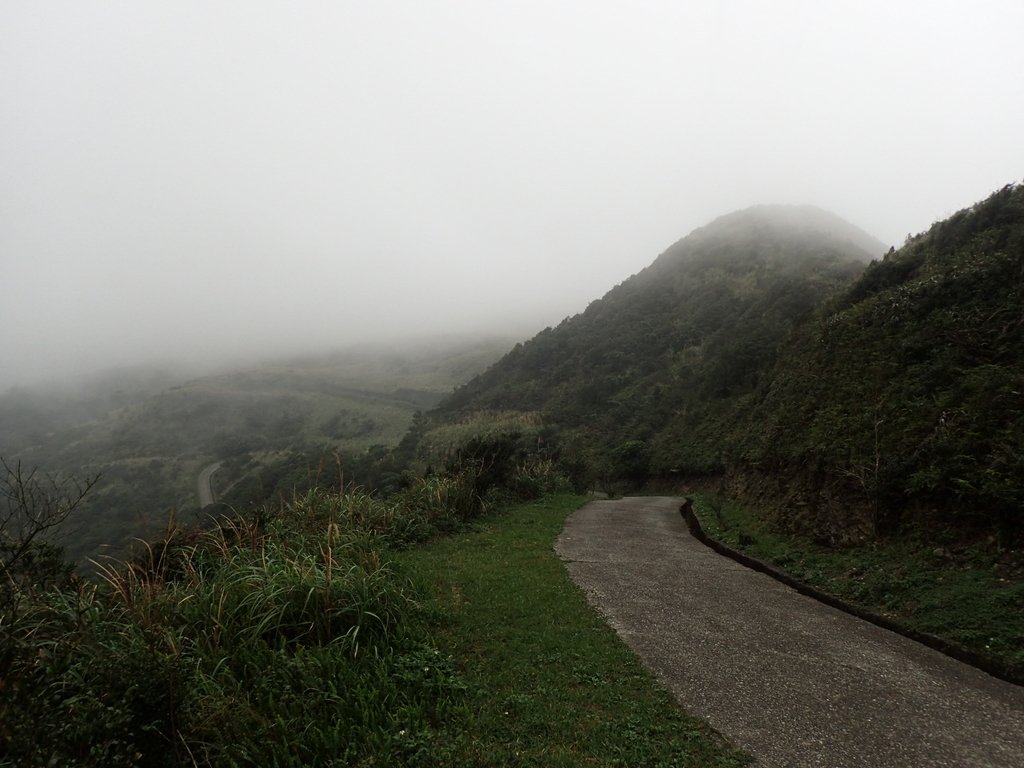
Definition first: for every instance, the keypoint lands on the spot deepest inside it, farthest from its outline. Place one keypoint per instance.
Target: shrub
(275, 637)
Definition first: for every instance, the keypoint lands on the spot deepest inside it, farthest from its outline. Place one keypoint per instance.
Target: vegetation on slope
(866, 418)
(148, 435)
(966, 592)
(311, 634)
(278, 639)
(627, 383)
(882, 414)
(903, 401)
(844, 404)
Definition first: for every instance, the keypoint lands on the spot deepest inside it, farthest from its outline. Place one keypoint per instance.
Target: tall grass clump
(534, 477)
(282, 639)
(81, 683)
(277, 636)
(443, 441)
(444, 502)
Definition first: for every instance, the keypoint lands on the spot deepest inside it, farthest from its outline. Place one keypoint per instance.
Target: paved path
(790, 680)
(205, 485)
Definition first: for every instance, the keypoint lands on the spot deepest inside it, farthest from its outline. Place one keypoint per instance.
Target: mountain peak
(791, 238)
(771, 228)
(799, 218)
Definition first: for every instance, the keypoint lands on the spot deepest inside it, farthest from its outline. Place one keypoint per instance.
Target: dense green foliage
(905, 395)
(312, 634)
(844, 401)
(284, 636)
(627, 384)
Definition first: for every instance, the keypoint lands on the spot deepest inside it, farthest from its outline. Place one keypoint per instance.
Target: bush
(276, 637)
(83, 684)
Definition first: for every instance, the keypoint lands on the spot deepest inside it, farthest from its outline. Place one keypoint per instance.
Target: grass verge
(548, 683)
(963, 595)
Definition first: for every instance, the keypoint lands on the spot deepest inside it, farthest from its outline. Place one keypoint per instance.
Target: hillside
(148, 435)
(625, 382)
(903, 398)
(843, 398)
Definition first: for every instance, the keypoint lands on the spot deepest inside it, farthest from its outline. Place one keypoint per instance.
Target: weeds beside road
(971, 595)
(337, 630)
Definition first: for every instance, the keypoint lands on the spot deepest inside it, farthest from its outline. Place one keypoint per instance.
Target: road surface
(794, 682)
(206, 495)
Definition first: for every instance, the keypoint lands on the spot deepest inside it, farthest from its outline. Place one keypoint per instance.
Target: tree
(33, 510)
(632, 461)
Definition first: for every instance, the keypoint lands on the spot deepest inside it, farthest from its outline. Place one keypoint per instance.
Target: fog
(204, 181)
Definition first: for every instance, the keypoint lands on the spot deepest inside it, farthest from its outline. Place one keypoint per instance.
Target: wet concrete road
(794, 682)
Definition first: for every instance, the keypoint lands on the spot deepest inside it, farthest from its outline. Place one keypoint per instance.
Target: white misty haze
(197, 179)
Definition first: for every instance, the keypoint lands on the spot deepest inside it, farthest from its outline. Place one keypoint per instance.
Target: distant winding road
(792, 681)
(206, 495)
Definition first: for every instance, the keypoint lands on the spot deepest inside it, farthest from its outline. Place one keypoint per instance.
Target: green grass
(548, 683)
(287, 643)
(966, 594)
(326, 633)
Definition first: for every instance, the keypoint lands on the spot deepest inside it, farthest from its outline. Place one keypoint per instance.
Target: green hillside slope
(844, 398)
(626, 381)
(905, 397)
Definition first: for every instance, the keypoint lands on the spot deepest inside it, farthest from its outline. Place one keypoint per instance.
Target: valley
(149, 437)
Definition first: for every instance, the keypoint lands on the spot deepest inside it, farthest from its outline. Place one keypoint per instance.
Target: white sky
(228, 178)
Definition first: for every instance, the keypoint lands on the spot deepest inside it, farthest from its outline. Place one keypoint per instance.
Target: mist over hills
(695, 328)
(779, 351)
(858, 419)
(148, 432)
(775, 350)
(215, 197)
(760, 229)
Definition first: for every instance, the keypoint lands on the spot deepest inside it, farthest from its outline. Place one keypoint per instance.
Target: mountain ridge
(733, 278)
(709, 363)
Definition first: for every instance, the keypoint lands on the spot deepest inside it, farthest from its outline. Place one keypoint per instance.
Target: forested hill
(622, 382)
(763, 349)
(907, 394)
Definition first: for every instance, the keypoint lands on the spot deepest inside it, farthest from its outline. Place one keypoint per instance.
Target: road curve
(205, 486)
(794, 682)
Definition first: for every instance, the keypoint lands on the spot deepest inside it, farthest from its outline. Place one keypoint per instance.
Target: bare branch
(32, 511)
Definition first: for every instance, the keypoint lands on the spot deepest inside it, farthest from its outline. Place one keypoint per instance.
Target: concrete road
(794, 682)
(205, 486)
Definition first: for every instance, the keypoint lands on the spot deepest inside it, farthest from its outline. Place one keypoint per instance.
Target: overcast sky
(202, 178)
